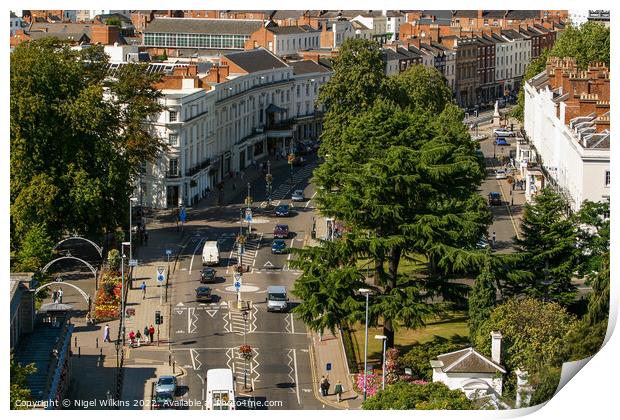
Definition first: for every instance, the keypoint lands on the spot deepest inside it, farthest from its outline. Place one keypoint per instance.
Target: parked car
(278, 246)
(500, 141)
(166, 384)
(495, 199)
(207, 275)
(483, 243)
(283, 210)
(163, 400)
(503, 132)
(280, 231)
(501, 174)
(203, 294)
(298, 195)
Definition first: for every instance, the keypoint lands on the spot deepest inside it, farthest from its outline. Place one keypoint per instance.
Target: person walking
(60, 293)
(493, 239)
(322, 385)
(327, 385)
(151, 332)
(146, 334)
(54, 296)
(338, 391)
(132, 337)
(138, 337)
(106, 333)
(143, 288)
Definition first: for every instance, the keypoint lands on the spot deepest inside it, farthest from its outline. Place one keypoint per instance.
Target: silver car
(166, 384)
(298, 195)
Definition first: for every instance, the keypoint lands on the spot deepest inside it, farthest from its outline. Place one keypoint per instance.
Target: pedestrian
(322, 385)
(493, 239)
(327, 385)
(513, 186)
(138, 337)
(106, 333)
(60, 293)
(151, 332)
(146, 237)
(242, 175)
(54, 296)
(234, 187)
(143, 288)
(338, 391)
(132, 337)
(146, 334)
(260, 166)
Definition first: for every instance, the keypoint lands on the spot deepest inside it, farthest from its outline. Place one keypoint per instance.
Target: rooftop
(307, 66)
(467, 361)
(204, 26)
(255, 60)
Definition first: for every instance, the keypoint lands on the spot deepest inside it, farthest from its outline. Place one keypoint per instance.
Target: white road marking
(296, 377)
(292, 324)
(308, 203)
(289, 254)
(180, 304)
(193, 255)
(211, 312)
(191, 353)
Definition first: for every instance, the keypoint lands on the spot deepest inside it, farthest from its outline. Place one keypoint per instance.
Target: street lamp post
(249, 207)
(131, 199)
(365, 292)
(269, 179)
(384, 339)
(123, 244)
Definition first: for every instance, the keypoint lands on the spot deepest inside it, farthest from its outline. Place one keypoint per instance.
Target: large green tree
(19, 389)
(419, 356)
(402, 176)
(408, 396)
(532, 330)
(481, 299)
(547, 253)
(78, 138)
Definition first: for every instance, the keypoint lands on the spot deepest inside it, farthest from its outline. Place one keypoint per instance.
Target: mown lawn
(452, 326)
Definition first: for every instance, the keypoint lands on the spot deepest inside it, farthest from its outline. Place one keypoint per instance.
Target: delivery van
(211, 253)
(277, 300)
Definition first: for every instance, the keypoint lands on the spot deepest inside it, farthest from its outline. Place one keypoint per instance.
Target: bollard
(97, 342)
(75, 345)
(169, 359)
(79, 352)
(174, 365)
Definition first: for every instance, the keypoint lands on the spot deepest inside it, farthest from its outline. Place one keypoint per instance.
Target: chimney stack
(496, 347)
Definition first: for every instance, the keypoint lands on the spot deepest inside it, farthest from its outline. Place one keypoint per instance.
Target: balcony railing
(282, 125)
(202, 165)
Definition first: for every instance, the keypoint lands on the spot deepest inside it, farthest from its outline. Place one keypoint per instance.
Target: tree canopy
(19, 389)
(78, 138)
(408, 396)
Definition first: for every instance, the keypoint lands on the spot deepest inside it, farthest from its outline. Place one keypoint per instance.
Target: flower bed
(108, 299)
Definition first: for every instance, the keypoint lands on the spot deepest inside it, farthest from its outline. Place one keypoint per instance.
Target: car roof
(167, 377)
(282, 205)
(298, 191)
(494, 193)
(279, 241)
(276, 289)
(203, 288)
(281, 226)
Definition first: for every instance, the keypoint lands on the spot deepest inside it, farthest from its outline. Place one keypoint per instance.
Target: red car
(280, 231)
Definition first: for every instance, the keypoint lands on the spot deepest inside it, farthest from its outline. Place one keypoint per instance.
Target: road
(206, 336)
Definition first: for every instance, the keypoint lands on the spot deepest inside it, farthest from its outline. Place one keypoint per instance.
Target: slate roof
(307, 66)
(287, 30)
(255, 60)
(512, 34)
(204, 26)
(468, 361)
(287, 14)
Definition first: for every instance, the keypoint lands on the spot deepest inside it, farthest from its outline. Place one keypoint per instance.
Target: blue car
(282, 210)
(501, 142)
(278, 246)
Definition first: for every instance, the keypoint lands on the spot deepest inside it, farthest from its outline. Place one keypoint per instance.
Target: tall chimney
(496, 347)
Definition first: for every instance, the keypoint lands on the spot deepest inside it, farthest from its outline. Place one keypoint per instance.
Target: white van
(211, 253)
(276, 299)
(220, 389)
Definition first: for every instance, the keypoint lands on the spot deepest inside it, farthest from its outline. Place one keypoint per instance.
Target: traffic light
(159, 319)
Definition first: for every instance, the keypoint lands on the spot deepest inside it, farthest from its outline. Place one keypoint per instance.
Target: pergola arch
(70, 257)
(97, 247)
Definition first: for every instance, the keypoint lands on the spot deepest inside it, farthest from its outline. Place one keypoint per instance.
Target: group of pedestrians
(57, 295)
(135, 338)
(324, 385)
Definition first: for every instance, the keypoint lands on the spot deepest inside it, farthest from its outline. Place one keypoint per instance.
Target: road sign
(161, 277)
(168, 252)
(248, 215)
(133, 263)
(237, 285)
(328, 367)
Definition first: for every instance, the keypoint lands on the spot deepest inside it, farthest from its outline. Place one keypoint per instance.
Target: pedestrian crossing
(250, 250)
(237, 325)
(284, 190)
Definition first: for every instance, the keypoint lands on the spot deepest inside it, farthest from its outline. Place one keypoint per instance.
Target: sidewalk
(330, 349)
(139, 383)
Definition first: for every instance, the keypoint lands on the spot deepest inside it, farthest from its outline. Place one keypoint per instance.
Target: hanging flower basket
(245, 351)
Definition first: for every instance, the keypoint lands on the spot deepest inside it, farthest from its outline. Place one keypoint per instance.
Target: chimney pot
(496, 347)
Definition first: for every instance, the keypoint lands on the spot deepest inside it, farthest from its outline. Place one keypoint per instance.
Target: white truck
(220, 389)
(211, 253)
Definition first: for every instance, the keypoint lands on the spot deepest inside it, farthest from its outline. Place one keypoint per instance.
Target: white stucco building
(289, 40)
(393, 21)
(511, 58)
(16, 23)
(260, 106)
(567, 121)
(377, 23)
(471, 372)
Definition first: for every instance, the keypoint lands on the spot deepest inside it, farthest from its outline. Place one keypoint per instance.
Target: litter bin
(313, 234)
